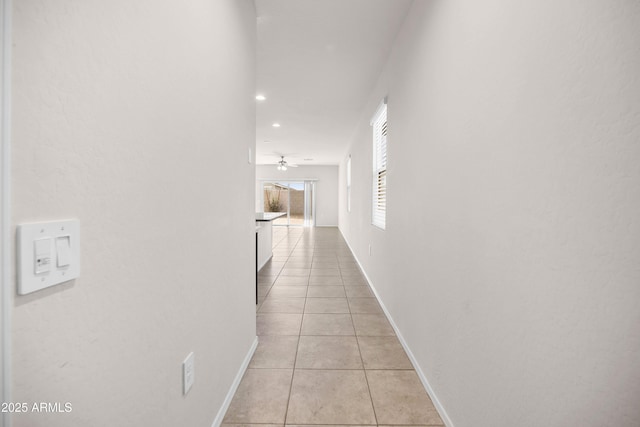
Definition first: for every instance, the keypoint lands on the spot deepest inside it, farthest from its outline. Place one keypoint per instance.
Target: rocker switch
(63, 249)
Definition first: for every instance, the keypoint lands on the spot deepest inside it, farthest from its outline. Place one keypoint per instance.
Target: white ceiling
(318, 61)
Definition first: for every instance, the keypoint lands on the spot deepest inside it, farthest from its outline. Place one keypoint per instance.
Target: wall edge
(6, 286)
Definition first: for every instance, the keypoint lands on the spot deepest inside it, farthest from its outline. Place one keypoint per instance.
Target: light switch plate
(63, 241)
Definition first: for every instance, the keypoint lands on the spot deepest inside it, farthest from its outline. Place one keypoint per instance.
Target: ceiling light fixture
(260, 97)
(276, 125)
(282, 164)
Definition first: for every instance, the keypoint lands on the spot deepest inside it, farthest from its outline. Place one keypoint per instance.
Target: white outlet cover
(188, 373)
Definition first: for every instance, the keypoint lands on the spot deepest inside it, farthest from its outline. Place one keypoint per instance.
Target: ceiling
(318, 61)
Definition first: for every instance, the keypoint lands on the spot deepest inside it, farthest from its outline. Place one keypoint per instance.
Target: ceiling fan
(283, 165)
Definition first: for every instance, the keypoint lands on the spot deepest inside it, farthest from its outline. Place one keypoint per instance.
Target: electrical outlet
(188, 373)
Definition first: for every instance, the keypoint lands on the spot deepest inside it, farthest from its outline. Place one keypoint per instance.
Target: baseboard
(234, 386)
(436, 402)
(441, 411)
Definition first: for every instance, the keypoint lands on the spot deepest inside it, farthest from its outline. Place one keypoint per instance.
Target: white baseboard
(234, 386)
(441, 411)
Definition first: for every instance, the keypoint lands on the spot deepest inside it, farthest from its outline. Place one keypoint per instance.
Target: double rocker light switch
(48, 254)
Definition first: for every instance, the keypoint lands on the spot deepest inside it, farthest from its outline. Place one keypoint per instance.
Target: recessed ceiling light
(261, 97)
(307, 160)
(276, 125)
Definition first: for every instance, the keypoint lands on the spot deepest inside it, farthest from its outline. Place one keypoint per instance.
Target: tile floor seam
(375, 415)
(295, 362)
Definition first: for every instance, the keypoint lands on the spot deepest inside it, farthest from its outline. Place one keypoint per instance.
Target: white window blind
(379, 208)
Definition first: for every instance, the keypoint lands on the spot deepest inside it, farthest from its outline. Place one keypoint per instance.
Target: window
(349, 184)
(379, 124)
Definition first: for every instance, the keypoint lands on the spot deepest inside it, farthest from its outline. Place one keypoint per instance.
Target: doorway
(295, 198)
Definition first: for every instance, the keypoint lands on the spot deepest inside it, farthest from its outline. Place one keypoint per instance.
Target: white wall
(122, 111)
(326, 188)
(510, 258)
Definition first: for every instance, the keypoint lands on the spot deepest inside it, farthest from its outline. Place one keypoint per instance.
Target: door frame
(6, 287)
(261, 182)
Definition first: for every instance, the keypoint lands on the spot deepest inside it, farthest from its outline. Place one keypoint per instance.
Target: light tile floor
(327, 354)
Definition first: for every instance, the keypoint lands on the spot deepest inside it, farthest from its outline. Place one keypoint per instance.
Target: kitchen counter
(268, 216)
(264, 240)
(264, 231)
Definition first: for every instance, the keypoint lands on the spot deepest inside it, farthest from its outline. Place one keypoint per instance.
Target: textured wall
(510, 258)
(122, 111)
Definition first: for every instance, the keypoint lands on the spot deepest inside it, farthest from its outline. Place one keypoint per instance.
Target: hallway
(326, 353)
(495, 216)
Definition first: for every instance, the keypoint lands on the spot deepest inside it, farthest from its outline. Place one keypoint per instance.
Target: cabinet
(264, 230)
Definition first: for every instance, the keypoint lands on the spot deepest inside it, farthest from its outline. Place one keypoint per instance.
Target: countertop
(268, 216)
